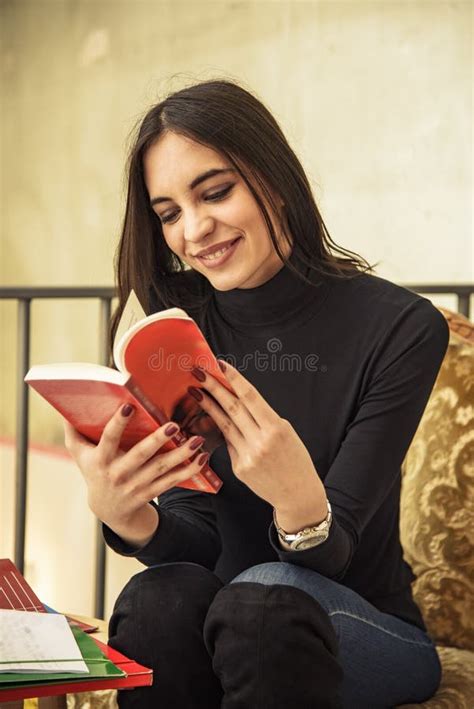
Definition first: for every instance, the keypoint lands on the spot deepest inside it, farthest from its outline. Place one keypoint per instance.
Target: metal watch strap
(321, 528)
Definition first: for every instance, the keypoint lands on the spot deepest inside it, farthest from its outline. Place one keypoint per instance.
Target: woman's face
(203, 203)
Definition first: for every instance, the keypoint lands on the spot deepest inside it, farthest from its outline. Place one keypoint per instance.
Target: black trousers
(237, 646)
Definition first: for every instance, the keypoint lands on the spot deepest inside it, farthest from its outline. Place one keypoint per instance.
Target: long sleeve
(187, 531)
(399, 378)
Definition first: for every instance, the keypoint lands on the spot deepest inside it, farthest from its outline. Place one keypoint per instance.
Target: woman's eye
(165, 219)
(214, 197)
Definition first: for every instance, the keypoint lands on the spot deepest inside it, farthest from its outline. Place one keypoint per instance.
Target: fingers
(73, 440)
(145, 449)
(165, 482)
(112, 433)
(244, 411)
(226, 408)
(231, 429)
(248, 394)
(147, 459)
(165, 470)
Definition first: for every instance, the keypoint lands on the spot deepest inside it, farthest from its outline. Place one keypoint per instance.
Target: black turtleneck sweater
(351, 364)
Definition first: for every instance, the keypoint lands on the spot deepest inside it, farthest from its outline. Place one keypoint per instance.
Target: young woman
(288, 588)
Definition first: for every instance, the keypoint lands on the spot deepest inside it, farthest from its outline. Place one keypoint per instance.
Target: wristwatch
(307, 537)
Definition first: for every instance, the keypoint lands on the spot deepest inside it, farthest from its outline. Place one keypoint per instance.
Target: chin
(228, 281)
(225, 284)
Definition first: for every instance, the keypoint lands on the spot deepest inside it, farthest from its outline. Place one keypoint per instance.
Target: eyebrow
(197, 181)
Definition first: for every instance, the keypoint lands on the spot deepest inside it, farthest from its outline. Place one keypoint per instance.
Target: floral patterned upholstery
(436, 525)
(437, 516)
(103, 699)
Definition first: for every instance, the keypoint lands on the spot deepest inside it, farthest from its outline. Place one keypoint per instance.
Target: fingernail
(198, 374)
(195, 393)
(203, 458)
(196, 443)
(221, 365)
(127, 410)
(172, 428)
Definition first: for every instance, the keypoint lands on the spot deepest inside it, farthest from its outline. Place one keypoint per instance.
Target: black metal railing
(104, 295)
(24, 296)
(463, 292)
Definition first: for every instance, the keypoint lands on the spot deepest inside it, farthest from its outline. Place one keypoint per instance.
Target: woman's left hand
(265, 451)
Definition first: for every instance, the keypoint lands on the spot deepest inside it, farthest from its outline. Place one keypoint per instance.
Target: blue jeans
(385, 660)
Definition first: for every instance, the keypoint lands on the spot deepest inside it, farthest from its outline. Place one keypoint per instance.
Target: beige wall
(375, 97)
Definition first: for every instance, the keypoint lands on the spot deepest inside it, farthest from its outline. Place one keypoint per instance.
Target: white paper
(131, 314)
(132, 319)
(38, 636)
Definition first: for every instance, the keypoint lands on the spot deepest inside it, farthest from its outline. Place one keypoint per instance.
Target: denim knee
(272, 572)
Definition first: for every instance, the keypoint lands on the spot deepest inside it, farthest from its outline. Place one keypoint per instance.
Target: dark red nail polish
(221, 365)
(195, 393)
(203, 458)
(198, 374)
(172, 428)
(195, 444)
(127, 410)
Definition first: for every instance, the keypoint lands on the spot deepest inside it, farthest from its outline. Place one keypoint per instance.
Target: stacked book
(43, 653)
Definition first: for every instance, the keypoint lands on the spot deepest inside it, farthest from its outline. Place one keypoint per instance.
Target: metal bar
(100, 550)
(105, 313)
(464, 304)
(22, 292)
(455, 288)
(21, 461)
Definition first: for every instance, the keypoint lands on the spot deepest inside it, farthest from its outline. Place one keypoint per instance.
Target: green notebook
(98, 664)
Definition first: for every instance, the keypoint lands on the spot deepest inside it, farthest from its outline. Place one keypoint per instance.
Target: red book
(154, 356)
(16, 594)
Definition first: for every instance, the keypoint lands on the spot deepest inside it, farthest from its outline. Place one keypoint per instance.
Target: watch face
(310, 542)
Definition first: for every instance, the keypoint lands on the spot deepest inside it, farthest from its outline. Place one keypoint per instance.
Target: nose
(196, 227)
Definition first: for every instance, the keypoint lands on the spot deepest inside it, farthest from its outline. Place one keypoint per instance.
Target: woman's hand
(265, 451)
(121, 484)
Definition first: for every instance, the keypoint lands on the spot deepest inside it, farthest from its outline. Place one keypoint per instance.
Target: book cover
(17, 594)
(155, 355)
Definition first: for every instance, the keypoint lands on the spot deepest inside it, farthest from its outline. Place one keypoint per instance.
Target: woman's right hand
(121, 484)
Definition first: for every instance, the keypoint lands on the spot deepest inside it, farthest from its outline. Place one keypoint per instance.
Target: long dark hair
(224, 116)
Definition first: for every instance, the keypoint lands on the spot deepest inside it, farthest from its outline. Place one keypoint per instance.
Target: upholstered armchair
(437, 517)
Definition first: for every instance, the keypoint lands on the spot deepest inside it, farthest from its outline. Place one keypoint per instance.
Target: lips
(212, 262)
(217, 247)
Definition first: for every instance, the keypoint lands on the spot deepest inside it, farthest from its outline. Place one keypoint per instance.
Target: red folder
(137, 676)
(16, 593)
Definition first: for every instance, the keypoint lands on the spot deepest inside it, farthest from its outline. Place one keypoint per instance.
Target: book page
(132, 313)
(38, 642)
(134, 319)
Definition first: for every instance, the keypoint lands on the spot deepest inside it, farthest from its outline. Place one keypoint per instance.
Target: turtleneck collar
(282, 302)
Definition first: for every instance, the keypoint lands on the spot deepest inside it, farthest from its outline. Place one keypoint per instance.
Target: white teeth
(217, 254)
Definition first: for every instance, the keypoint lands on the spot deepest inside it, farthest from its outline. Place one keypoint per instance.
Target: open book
(155, 355)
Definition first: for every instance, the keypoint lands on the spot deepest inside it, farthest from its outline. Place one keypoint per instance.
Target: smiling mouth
(219, 252)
